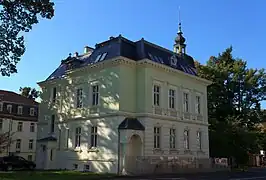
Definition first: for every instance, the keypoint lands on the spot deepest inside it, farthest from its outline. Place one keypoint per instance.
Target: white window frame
(79, 97)
(172, 98)
(199, 139)
(9, 108)
(94, 136)
(32, 127)
(186, 101)
(18, 144)
(20, 127)
(198, 109)
(32, 111)
(186, 139)
(31, 144)
(156, 94)
(95, 94)
(77, 141)
(172, 139)
(20, 110)
(1, 106)
(157, 137)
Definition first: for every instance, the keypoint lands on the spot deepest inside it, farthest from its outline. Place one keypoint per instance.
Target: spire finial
(179, 19)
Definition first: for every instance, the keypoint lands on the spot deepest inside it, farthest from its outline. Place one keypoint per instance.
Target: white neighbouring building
(18, 120)
(119, 101)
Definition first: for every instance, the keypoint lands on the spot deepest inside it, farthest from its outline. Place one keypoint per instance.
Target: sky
(209, 28)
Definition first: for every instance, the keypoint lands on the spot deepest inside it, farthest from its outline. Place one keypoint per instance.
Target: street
(251, 174)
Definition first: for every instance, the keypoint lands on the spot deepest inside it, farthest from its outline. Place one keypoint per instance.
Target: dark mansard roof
(120, 46)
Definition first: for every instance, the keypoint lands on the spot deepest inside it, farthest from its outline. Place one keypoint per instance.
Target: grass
(52, 175)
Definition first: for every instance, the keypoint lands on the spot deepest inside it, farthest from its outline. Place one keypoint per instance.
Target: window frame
(79, 97)
(199, 139)
(1, 124)
(95, 94)
(32, 111)
(156, 93)
(32, 127)
(157, 137)
(172, 138)
(77, 141)
(186, 102)
(9, 106)
(186, 139)
(20, 110)
(20, 126)
(172, 98)
(52, 123)
(1, 106)
(18, 143)
(94, 137)
(198, 104)
(31, 144)
(54, 95)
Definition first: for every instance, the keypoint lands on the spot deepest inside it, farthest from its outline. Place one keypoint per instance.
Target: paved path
(251, 174)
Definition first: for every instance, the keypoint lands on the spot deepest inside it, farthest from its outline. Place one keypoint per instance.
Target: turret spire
(179, 46)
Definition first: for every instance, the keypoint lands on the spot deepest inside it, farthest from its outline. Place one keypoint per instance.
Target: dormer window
(173, 60)
(20, 109)
(9, 108)
(101, 57)
(32, 111)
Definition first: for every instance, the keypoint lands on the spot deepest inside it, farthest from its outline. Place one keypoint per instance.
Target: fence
(166, 164)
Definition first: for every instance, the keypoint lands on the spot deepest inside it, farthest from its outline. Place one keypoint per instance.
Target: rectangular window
(185, 102)
(59, 139)
(172, 138)
(77, 137)
(198, 110)
(199, 142)
(1, 124)
(9, 108)
(156, 137)
(94, 136)
(1, 106)
(30, 144)
(20, 109)
(54, 95)
(51, 155)
(29, 157)
(52, 123)
(32, 127)
(32, 111)
(95, 95)
(156, 95)
(186, 139)
(171, 97)
(67, 138)
(18, 144)
(79, 98)
(20, 126)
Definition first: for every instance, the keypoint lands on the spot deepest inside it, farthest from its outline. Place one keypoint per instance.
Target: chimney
(87, 50)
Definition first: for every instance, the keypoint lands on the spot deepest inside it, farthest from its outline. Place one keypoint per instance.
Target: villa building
(18, 120)
(120, 102)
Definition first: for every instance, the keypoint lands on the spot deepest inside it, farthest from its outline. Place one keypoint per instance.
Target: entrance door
(134, 150)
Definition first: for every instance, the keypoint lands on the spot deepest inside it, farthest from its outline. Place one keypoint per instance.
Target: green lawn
(52, 175)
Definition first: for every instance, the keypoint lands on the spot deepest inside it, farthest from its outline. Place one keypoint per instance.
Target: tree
(17, 17)
(5, 141)
(29, 92)
(233, 105)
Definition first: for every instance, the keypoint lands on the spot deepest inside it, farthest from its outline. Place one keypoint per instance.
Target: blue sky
(209, 27)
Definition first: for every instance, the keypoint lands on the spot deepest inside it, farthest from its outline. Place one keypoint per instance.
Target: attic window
(101, 57)
(173, 60)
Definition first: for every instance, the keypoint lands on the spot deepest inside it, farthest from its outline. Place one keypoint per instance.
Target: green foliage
(17, 17)
(234, 107)
(29, 92)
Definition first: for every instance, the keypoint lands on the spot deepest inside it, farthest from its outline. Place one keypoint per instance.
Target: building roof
(120, 46)
(131, 123)
(9, 96)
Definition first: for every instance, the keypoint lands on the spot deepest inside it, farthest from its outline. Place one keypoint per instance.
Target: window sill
(173, 151)
(188, 151)
(93, 149)
(158, 151)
